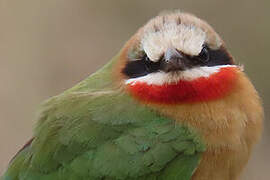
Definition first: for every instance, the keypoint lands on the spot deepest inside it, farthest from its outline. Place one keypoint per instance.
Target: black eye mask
(207, 57)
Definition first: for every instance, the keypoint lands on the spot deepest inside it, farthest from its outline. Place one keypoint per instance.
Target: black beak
(174, 60)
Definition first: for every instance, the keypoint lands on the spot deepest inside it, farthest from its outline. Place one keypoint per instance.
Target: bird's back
(96, 131)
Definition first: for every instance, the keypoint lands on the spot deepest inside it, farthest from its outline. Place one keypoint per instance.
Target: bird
(173, 104)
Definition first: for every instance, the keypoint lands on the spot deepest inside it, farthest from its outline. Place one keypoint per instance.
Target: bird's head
(177, 58)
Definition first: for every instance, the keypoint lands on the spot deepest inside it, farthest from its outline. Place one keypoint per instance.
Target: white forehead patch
(186, 38)
(160, 78)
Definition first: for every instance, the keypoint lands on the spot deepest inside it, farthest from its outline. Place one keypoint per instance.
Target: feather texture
(95, 131)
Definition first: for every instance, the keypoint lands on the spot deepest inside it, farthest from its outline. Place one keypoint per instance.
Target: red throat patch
(216, 86)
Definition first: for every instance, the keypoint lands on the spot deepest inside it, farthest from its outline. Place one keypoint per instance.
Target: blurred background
(49, 46)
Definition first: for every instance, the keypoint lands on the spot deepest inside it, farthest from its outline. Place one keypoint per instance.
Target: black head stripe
(219, 57)
(145, 66)
(135, 69)
(140, 67)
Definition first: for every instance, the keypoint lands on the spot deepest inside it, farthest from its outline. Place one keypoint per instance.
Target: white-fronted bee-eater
(171, 105)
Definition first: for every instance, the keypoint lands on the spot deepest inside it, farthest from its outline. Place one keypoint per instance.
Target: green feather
(96, 131)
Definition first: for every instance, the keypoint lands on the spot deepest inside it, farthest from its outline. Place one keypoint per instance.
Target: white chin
(160, 78)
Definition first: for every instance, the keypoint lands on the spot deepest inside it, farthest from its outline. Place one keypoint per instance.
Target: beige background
(48, 46)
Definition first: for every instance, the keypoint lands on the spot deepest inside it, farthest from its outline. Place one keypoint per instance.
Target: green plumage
(96, 131)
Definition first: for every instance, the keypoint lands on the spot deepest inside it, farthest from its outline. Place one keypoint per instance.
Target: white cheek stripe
(160, 78)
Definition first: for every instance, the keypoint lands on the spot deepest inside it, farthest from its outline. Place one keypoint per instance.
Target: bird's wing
(93, 131)
(105, 135)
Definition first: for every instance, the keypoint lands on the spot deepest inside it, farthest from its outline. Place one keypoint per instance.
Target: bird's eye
(150, 65)
(204, 54)
(147, 63)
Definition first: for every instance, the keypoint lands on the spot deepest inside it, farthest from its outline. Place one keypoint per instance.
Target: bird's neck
(206, 87)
